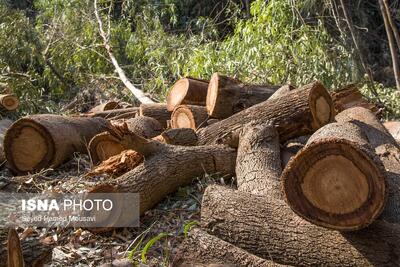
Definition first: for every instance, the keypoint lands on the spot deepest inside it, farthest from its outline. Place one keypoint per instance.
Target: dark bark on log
(202, 249)
(110, 105)
(227, 96)
(109, 114)
(9, 102)
(4, 125)
(349, 97)
(336, 181)
(258, 164)
(393, 127)
(179, 137)
(146, 127)
(187, 91)
(282, 90)
(45, 141)
(291, 147)
(168, 167)
(269, 229)
(296, 113)
(189, 116)
(388, 151)
(157, 111)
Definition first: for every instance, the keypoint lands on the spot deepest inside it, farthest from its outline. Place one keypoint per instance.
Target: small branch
(393, 52)
(392, 24)
(139, 94)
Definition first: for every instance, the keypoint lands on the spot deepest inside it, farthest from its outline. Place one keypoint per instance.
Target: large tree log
(348, 97)
(111, 114)
(296, 113)
(189, 116)
(45, 141)
(157, 111)
(227, 96)
(9, 102)
(268, 228)
(187, 91)
(282, 90)
(168, 167)
(336, 181)
(393, 127)
(202, 249)
(110, 105)
(258, 163)
(179, 137)
(388, 151)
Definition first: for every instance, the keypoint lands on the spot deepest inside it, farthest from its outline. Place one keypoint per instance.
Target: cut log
(291, 147)
(110, 105)
(258, 163)
(282, 90)
(109, 114)
(168, 167)
(187, 91)
(202, 249)
(268, 228)
(144, 126)
(336, 181)
(157, 111)
(296, 113)
(227, 96)
(45, 141)
(386, 148)
(348, 97)
(189, 116)
(393, 127)
(179, 137)
(9, 102)
(4, 125)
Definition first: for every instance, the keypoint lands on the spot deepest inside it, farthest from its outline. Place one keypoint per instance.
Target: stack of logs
(318, 175)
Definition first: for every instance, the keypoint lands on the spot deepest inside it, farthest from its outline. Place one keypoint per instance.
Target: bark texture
(349, 97)
(189, 116)
(157, 111)
(386, 148)
(258, 164)
(336, 181)
(111, 114)
(393, 127)
(274, 232)
(9, 102)
(291, 147)
(180, 137)
(110, 105)
(168, 167)
(202, 249)
(187, 91)
(45, 141)
(227, 96)
(296, 113)
(4, 125)
(144, 126)
(282, 90)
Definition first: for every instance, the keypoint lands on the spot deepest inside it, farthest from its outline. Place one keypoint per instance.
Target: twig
(393, 52)
(392, 24)
(139, 94)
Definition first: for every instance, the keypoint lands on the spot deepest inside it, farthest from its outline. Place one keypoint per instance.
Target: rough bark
(45, 141)
(189, 116)
(168, 167)
(258, 164)
(4, 125)
(227, 96)
(336, 181)
(202, 249)
(296, 113)
(269, 229)
(144, 126)
(157, 111)
(291, 147)
(348, 97)
(180, 137)
(110, 105)
(388, 151)
(110, 114)
(9, 102)
(282, 90)
(187, 91)
(393, 127)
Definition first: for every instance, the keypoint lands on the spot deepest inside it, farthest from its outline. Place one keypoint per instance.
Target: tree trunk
(393, 127)
(269, 229)
(110, 114)
(202, 249)
(227, 96)
(168, 167)
(9, 102)
(143, 126)
(188, 116)
(45, 141)
(291, 147)
(179, 137)
(157, 111)
(388, 151)
(110, 105)
(258, 163)
(349, 97)
(187, 91)
(4, 125)
(296, 113)
(282, 90)
(336, 181)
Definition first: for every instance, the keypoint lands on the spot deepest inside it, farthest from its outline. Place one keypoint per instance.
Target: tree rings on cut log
(103, 146)
(188, 116)
(9, 102)
(188, 91)
(335, 184)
